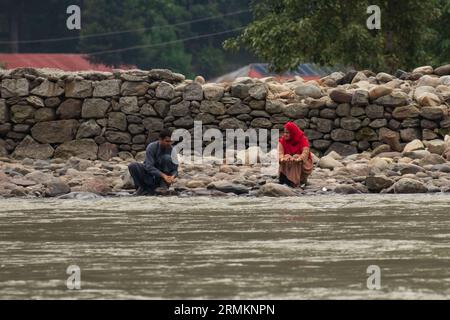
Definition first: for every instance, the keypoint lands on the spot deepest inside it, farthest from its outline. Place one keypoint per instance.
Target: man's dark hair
(165, 133)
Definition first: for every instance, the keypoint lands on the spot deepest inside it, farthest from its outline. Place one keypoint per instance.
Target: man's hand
(168, 179)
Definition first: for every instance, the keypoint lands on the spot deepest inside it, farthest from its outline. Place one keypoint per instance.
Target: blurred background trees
(287, 32)
(188, 35)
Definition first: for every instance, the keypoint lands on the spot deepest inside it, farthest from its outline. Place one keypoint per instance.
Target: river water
(227, 248)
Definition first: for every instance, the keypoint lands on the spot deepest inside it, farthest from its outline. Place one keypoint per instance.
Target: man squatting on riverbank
(158, 171)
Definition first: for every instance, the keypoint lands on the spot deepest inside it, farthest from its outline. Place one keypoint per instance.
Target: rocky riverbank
(422, 167)
(48, 114)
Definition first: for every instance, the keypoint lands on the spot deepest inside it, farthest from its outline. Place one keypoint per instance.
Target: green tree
(441, 40)
(332, 32)
(161, 22)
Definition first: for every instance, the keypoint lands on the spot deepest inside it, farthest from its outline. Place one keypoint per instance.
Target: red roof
(66, 62)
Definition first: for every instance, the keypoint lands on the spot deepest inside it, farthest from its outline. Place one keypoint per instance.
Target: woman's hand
(286, 158)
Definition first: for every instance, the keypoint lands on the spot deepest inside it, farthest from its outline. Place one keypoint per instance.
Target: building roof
(307, 71)
(66, 62)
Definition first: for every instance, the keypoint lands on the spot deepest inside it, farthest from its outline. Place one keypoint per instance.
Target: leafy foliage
(329, 32)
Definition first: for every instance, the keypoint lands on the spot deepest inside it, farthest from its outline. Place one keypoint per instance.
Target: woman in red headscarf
(295, 158)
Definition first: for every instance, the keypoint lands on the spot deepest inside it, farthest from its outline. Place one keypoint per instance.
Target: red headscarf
(297, 141)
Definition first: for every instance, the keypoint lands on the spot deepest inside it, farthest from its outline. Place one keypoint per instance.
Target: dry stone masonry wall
(92, 115)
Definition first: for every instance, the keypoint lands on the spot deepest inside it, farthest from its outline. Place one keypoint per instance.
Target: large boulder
(88, 129)
(308, 90)
(342, 149)
(360, 97)
(14, 88)
(435, 146)
(258, 91)
(180, 109)
(69, 109)
(238, 108)
(232, 123)
(350, 123)
(45, 114)
(29, 148)
(21, 113)
(78, 89)
(228, 187)
(153, 124)
(107, 88)
(107, 150)
(379, 91)
(328, 162)
(48, 89)
(433, 113)
(134, 88)
(276, 190)
(212, 92)
(414, 145)
(261, 123)
(424, 70)
(296, 110)
(442, 70)
(341, 96)
(405, 112)
(274, 106)
(393, 100)
(342, 135)
(4, 111)
(83, 149)
(165, 91)
(212, 107)
(193, 91)
(117, 120)
(378, 182)
(407, 185)
(118, 137)
(56, 188)
(129, 105)
(55, 131)
(95, 108)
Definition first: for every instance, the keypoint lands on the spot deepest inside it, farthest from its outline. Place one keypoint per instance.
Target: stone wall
(50, 113)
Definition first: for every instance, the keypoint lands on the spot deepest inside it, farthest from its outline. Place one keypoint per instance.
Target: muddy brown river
(227, 248)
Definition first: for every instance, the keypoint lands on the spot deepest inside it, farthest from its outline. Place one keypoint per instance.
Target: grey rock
(193, 91)
(117, 120)
(129, 105)
(94, 108)
(180, 109)
(350, 123)
(83, 149)
(78, 89)
(107, 88)
(14, 88)
(29, 148)
(276, 190)
(232, 123)
(378, 182)
(118, 137)
(21, 113)
(69, 109)
(342, 135)
(228, 187)
(407, 185)
(55, 131)
(48, 89)
(152, 124)
(212, 107)
(238, 108)
(88, 129)
(165, 91)
(296, 110)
